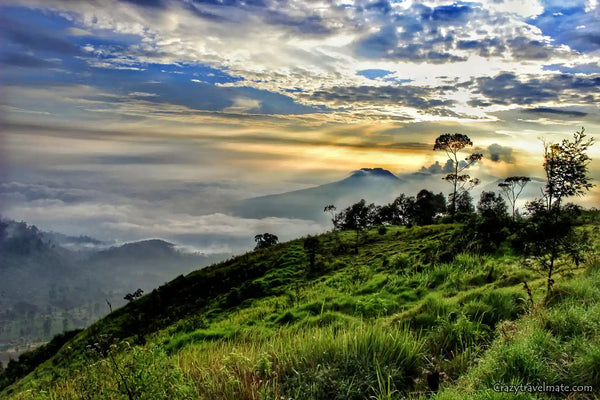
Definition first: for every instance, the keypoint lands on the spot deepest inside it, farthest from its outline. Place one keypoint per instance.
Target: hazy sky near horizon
(133, 119)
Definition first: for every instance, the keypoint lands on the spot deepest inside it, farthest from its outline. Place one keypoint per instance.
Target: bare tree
(511, 189)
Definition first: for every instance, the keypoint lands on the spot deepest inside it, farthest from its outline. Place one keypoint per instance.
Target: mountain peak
(376, 172)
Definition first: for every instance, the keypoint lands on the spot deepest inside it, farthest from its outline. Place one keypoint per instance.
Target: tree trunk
(453, 210)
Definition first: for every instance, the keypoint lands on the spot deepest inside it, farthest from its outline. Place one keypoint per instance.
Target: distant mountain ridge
(57, 282)
(372, 184)
(366, 172)
(375, 185)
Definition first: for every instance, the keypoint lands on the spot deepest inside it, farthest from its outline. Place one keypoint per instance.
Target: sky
(133, 119)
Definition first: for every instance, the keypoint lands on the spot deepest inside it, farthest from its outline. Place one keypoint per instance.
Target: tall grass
(326, 363)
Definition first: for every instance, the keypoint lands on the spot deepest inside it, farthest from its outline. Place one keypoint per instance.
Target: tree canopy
(566, 167)
(265, 240)
(452, 144)
(511, 189)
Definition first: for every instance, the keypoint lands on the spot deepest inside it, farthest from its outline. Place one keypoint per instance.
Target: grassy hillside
(412, 311)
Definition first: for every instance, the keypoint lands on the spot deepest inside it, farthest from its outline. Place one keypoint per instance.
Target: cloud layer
(113, 107)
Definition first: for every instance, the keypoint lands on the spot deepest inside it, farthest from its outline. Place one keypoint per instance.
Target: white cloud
(311, 45)
(243, 104)
(522, 8)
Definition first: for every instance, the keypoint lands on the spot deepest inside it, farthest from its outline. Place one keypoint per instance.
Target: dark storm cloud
(500, 153)
(420, 38)
(507, 89)
(273, 13)
(389, 44)
(409, 96)
(523, 48)
(556, 112)
(309, 24)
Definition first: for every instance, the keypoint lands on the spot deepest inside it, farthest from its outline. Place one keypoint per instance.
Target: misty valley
(52, 283)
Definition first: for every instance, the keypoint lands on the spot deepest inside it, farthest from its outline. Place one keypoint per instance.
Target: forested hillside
(415, 311)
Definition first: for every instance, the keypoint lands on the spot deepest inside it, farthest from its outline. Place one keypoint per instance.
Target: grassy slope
(374, 324)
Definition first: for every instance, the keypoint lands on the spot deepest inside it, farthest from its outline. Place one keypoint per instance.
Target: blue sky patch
(374, 73)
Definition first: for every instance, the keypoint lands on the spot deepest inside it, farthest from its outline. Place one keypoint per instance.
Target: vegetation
(566, 167)
(46, 288)
(511, 188)
(452, 144)
(411, 306)
(550, 236)
(265, 240)
(442, 311)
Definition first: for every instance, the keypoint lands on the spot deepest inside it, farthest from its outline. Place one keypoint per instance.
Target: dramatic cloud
(557, 112)
(148, 118)
(437, 168)
(508, 89)
(500, 153)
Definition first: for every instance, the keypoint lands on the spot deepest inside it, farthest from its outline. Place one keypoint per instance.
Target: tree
(490, 230)
(265, 240)
(491, 206)
(428, 206)
(452, 144)
(135, 295)
(400, 212)
(464, 202)
(311, 245)
(550, 237)
(566, 167)
(511, 188)
(357, 217)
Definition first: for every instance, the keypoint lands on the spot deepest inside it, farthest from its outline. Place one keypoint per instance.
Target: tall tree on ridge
(265, 240)
(452, 144)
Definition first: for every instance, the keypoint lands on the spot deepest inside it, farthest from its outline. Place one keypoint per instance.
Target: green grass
(366, 326)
